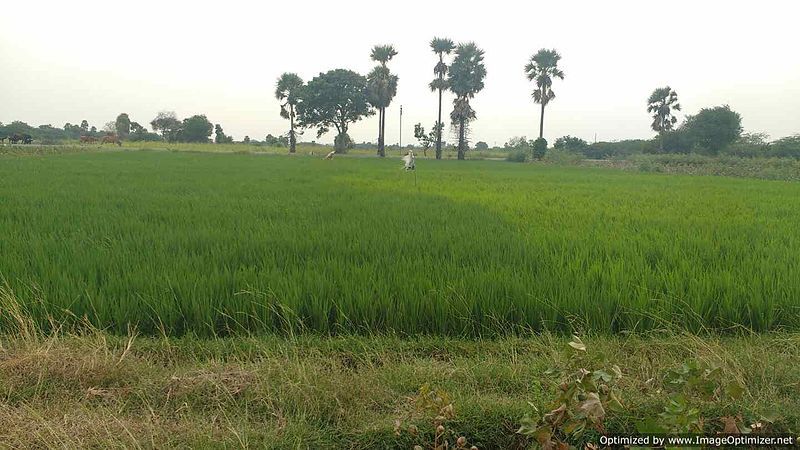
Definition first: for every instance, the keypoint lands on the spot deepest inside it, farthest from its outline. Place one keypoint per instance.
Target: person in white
(409, 161)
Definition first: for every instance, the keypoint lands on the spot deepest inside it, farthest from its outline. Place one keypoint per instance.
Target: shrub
(517, 155)
(788, 147)
(619, 149)
(539, 148)
(571, 144)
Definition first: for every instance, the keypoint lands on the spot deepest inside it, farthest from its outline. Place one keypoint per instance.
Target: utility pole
(401, 127)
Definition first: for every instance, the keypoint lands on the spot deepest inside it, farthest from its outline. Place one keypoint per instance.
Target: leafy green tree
(335, 99)
(381, 88)
(713, 129)
(196, 129)
(123, 125)
(662, 104)
(570, 144)
(481, 145)
(465, 79)
(273, 141)
(84, 125)
(287, 90)
(440, 46)
(246, 139)
(541, 69)
(220, 137)
(167, 123)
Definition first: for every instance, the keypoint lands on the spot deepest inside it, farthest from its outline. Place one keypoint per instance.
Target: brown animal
(111, 139)
(88, 139)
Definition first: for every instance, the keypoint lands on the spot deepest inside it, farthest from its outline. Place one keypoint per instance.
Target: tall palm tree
(465, 79)
(662, 102)
(440, 46)
(542, 68)
(382, 87)
(287, 90)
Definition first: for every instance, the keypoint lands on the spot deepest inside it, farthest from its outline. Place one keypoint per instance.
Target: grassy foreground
(227, 243)
(101, 391)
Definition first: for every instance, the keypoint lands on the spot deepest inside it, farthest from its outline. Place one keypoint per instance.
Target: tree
(713, 129)
(196, 129)
(93, 130)
(661, 104)
(465, 79)
(123, 125)
(426, 139)
(287, 90)
(440, 46)
(481, 146)
(84, 125)
(272, 141)
(246, 139)
(542, 68)
(110, 128)
(335, 99)
(220, 137)
(381, 88)
(570, 144)
(167, 123)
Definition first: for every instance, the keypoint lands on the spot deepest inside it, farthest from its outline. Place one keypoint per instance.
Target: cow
(111, 139)
(14, 138)
(88, 139)
(3, 139)
(27, 139)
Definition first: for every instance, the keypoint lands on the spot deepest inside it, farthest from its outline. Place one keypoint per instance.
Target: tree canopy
(287, 91)
(662, 104)
(196, 129)
(334, 99)
(542, 69)
(465, 79)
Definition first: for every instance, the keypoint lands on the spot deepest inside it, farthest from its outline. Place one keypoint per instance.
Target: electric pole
(401, 127)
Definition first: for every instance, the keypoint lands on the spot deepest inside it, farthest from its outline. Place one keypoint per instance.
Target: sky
(67, 61)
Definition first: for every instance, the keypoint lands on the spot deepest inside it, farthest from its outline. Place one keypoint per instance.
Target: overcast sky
(66, 61)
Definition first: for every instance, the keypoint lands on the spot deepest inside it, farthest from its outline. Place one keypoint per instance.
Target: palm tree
(287, 90)
(381, 88)
(440, 46)
(662, 102)
(465, 79)
(542, 68)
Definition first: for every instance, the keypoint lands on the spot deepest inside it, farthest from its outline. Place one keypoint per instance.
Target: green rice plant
(217, 244)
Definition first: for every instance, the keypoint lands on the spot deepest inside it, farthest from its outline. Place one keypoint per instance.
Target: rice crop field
(214, 244)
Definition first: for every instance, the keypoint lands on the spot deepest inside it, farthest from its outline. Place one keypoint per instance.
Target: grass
(94, 390)
(213, 244)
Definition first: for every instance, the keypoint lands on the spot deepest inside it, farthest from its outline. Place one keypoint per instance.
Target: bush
(539, 148)
(571, 144)
(619, 149)
(788, 147)
(517, 155)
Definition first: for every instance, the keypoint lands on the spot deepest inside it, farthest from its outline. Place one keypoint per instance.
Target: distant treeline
(166, 127)
(711, 132)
